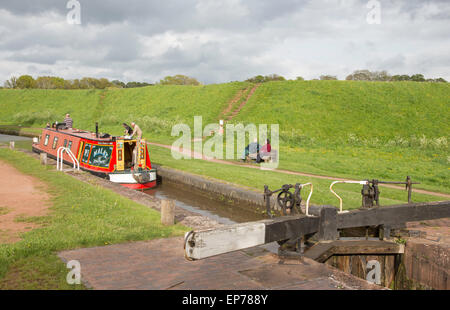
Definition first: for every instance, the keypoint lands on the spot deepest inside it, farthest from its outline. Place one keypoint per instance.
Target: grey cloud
(219, 41)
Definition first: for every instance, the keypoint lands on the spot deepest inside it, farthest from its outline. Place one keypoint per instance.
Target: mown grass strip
(81, 215)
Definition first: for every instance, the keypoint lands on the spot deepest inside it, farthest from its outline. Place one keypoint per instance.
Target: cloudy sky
(220, 41)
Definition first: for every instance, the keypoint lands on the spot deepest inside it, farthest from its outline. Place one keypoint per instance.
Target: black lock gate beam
(325, 223)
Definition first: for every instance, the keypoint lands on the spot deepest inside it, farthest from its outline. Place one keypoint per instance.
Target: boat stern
(139, 179)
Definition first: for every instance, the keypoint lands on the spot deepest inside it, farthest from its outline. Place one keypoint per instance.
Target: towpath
(22, 196)
(230, 163)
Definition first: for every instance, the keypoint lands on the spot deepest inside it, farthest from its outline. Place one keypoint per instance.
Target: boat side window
(55, 142)
(70, 145)
(47, 137)
(101, 155)
(65, 142)
(86, 152)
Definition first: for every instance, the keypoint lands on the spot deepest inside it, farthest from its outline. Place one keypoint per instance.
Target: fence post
(11, 145)
(167, 212)
(43, 157)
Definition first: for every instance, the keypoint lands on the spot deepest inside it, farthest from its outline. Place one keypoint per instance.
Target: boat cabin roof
(85, 134)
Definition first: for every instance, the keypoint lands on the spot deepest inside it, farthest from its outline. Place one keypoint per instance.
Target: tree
(274, 77)
(58, 82)
(418, 78)
(381, 76)
(45, 82)
(257, 79)
(299, 78)
(328, 77)
(267, 78)
(366, 75)
(118, 83)
(398, 77)
(359, 75)
(26, 81)
(11, 83)
(179, 79)
(76, 84)
(104, 83)
(137, 84)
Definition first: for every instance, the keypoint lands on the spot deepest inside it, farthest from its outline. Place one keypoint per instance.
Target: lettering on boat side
(234, 299)
(101, 155)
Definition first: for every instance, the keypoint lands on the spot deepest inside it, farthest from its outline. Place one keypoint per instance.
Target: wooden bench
(270, 157)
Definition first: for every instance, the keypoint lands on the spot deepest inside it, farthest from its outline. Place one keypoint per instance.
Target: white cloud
(220, 41)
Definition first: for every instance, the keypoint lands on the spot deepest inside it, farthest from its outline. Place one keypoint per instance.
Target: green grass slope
(336, 112)
(359, 129)
(338, 128)
(36, 107)
(156, 109)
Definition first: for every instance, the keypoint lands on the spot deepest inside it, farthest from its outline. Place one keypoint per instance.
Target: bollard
(43, 158)
(11, 145)
(328, 223)
(167, 212)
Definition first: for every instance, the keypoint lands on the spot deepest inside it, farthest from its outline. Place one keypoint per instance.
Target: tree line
(358, 75)
(52, 82)
(366, 75)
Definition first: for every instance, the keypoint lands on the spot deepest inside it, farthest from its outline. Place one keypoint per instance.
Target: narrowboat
(101, 154)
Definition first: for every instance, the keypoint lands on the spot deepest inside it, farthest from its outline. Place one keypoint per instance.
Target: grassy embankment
(156, 109)
(338, 128)
(359, 129)
(81, 215)
(255, 179)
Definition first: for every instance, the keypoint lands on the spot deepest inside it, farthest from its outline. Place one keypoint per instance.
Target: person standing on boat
(128, 130)
(138, 133)
(69, 122)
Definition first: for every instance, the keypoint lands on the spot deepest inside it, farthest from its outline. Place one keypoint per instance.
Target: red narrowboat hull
(108, 157)
(140, 186)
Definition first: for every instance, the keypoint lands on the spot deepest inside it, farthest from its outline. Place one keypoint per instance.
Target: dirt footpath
(21, 197)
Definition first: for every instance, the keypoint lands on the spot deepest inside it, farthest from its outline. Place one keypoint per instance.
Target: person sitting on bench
(251, 149)
(265, 151)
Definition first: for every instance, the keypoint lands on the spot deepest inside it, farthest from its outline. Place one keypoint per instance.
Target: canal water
(7, 138)
(222, 211)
